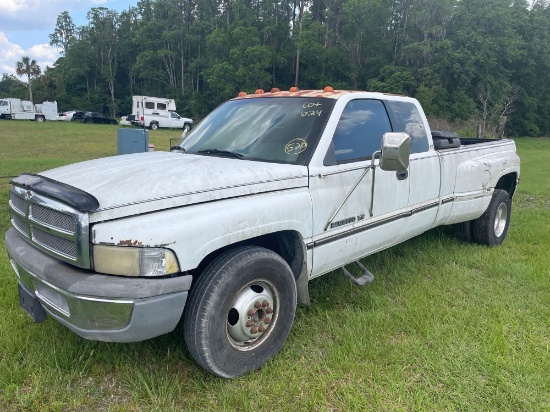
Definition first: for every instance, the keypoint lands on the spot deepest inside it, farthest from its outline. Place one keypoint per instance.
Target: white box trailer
(18, 109)
(155, 112)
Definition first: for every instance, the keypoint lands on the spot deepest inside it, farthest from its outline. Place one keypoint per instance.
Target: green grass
(444, 326)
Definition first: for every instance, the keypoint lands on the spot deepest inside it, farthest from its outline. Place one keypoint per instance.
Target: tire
(40, 119)
(186, 127)
(463, 231)
(153, 125)
(240, 311)
(492, 226)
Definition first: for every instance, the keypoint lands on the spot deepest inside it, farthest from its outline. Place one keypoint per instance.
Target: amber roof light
(293, 89)
(328, 89)
(259, 91)
(241, 94)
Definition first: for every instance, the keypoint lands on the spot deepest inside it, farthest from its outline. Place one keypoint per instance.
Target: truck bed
(450, 140)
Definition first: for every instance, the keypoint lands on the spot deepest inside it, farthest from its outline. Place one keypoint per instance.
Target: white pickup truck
(225, 231)
(155, 112)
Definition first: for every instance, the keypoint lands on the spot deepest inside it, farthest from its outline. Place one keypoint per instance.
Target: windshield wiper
(217, 152)
(177, 149)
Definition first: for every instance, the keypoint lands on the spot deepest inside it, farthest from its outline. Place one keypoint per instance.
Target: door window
(406, 118)
(359, 132)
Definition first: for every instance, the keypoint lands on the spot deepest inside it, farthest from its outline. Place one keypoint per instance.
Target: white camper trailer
(24, 110)
(155, 112)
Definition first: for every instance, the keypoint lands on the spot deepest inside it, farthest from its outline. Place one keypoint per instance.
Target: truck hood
(141, 183)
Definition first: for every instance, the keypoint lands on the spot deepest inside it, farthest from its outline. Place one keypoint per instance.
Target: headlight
(132, 261)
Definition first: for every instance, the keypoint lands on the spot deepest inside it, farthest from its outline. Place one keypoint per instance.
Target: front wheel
(240, 311)
(186, 127)
(40, 119)
(154, 125)
(491, 227)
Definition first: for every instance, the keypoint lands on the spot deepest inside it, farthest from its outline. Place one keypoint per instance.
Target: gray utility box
(132, 141)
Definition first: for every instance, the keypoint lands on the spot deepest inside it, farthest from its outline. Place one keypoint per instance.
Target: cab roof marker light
(259, 91)
(241, 94)
(275, 90)
(328, 89)
(293, 89)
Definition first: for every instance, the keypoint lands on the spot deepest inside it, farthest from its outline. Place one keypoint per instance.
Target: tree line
(463, 59)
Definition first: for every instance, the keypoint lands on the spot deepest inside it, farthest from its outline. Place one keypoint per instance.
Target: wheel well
(287, 244)
(508, 182)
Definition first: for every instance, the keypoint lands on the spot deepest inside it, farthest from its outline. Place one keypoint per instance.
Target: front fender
(195, 231)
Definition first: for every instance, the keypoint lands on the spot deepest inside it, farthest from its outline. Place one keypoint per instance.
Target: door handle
(402, 174)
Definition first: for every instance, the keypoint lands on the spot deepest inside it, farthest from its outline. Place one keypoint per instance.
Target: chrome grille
(57, 244)
(19, 225)
(53, 218)
(18, 203)
(50, 225)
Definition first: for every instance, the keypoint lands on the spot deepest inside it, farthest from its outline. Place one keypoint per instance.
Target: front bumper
(95, 306)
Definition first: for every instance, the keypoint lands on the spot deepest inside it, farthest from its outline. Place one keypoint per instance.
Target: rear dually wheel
(492, 226)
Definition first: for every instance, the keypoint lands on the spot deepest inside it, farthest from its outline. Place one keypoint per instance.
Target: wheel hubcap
(500, 219)
(252, 315)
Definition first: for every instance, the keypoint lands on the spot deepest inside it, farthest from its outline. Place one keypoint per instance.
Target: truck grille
(53, 218)
(62, 246)
(51, 226)
(18, 203)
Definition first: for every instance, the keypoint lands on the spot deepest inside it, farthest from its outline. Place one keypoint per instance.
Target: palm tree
(28, 67)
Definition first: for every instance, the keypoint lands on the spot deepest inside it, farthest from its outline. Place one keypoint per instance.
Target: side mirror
(396, 150)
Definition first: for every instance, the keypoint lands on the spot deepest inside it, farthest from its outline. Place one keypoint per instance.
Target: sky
(26, 24)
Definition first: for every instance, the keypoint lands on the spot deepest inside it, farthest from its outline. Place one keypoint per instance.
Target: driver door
(344, 225)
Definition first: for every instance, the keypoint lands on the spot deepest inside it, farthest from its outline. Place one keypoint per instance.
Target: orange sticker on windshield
(295, 146)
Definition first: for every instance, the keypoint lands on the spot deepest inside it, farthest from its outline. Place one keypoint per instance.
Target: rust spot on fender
(129, 243)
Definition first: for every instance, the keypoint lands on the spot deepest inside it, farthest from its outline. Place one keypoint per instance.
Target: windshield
(271, 129)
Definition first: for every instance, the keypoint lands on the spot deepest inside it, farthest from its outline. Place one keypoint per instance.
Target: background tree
(64, 32)
(28, 67)
(465, 60)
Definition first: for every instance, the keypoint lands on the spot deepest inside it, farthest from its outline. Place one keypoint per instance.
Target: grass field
(444, 326)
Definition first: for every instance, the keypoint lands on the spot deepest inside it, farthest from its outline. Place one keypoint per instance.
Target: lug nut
(249, 324)
(269, 310)
(265, 303)
(253, 330)
(267, 321)
(251, 312)
(257, 304)
(261, 329)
